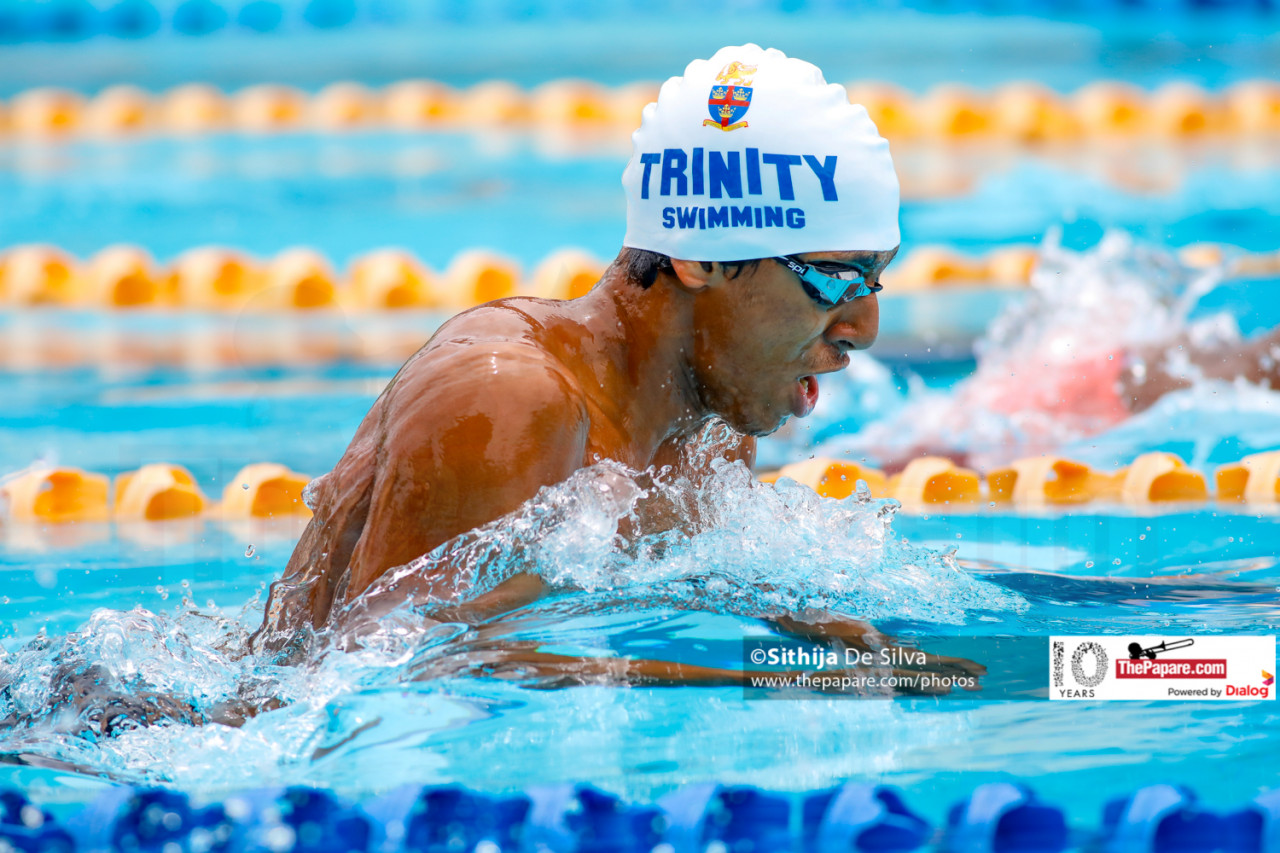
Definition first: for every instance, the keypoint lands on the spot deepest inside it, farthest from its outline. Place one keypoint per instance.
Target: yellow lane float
(931, 266)
(1181, 109)
(628, 102)
(1043, 480)
(478, 276)
(158, 492)
(953, 111)
(266, 108)
(122, 277)
(566, 274)
(344, 105)
(570, 102)
(119, 111)
(1108, 108)
(194, 108)
(1254, 106)
(1159, 476)
(934, 480)
(493, 102)
(299, 278)
(390, 278)
(417, 103)
(213, 277)
(46, 112)
(37, 275)
(264, 490)
(1011, 266)
(1255, 479)
(891, 107)
(57, 495)
(1030, 112)
(835, 478)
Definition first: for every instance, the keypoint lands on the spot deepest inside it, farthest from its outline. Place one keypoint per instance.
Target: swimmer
(762, 208)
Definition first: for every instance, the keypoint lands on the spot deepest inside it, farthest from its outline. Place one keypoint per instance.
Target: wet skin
(518, 394)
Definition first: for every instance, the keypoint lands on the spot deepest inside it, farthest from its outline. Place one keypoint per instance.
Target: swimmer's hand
(829, 628)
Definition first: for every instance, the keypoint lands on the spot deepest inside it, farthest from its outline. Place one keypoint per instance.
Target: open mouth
(807, 396)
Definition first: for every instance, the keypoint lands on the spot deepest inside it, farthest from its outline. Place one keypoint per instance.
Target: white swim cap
(752, 154)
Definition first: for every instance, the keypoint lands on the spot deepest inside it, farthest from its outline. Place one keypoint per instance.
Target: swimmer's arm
(1153, 372)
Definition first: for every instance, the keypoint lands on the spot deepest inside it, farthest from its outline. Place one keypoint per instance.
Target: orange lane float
(495, 102)
(931, 266)
(268, 108)
(412, 104)
(834, 478)
(46, 112)
(1043, 480)
(57, 495)
(122, 277)
(935, 480)
(1109, 108)
(391, 278)
(213, 277)
(194, 108)
(1030, 112)
(299, 278)
(1011, 266)
(890, 107)
(477, 276)
(344, 105)
(1019, 112)
(1254, 106)
(158, 492)
(1255, 479)
(566, 274)
(953, 111)
(570, 102)
(264, 490)
(37, 275)
(119, 111)
(1184, 110)
(1158, 476)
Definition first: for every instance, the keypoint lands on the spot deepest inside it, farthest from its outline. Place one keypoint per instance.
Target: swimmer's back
(470, 427)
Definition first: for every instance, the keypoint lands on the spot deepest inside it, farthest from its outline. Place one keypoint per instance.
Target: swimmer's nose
(855, 324)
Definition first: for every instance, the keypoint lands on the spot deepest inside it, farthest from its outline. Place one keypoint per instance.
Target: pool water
(165, 608)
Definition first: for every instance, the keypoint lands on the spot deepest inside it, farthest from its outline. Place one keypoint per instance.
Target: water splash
(742, 547)
(1049, 365)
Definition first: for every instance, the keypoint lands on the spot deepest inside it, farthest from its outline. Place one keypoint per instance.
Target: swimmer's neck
(636, 367)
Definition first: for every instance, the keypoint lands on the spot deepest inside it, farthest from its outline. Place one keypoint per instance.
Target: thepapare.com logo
(1216, 667)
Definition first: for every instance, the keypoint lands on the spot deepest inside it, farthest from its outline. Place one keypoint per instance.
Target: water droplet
(1088, 564)
(4, 600)
(162, 592)
(959, 535)
(248, 552)
(1116, 561)
(244, 486)
(1142, 536)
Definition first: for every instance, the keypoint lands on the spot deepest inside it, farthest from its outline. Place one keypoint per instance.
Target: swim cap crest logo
(730, 97)
(811, 174)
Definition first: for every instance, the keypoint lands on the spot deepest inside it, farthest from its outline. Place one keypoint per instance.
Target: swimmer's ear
(696, 275)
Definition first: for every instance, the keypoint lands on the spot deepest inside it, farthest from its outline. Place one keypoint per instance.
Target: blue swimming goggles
(830, 290)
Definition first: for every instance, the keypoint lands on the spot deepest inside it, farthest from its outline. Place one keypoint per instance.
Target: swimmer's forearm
(512, 594)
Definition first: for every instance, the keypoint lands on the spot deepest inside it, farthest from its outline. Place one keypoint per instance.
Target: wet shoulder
(490, 346)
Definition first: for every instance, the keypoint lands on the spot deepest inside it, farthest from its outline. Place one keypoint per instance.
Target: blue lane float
(1005, 816)
(853, 818)
(63, 20)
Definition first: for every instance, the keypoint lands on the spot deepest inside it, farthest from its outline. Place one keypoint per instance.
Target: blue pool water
(166, 607)
(528, 195)
(160, 612)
